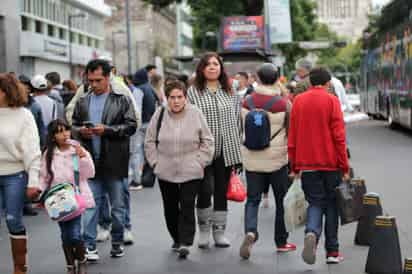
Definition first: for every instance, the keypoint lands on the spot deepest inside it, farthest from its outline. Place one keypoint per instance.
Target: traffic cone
(384, 255)
(408, 266)
(371, 208)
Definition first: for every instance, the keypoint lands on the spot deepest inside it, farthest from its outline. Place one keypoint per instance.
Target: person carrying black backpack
(264, 152)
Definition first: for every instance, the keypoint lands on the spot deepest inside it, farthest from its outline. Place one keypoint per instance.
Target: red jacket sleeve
(339, 136)
(292, 139)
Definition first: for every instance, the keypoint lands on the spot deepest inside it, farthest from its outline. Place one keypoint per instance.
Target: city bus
(386, 72)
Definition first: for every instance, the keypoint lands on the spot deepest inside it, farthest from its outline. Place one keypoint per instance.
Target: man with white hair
(303, 67)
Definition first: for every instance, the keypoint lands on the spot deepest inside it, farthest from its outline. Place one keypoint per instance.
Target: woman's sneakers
(309, 249)
(288, 247)
(117, 251)
(334, 257)
(247, 244)
(183, 252)
(92, 255)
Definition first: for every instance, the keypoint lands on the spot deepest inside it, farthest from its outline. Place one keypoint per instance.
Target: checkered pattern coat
(222, 112)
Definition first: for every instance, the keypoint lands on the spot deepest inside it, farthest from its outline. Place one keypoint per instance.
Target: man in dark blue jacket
(150, 99)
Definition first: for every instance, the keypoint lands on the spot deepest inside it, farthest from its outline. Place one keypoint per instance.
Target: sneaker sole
(246, 246)
(203, 246)
(117, 255)
(286, 250)
(333, 261)
(308, 253)
(183, 253)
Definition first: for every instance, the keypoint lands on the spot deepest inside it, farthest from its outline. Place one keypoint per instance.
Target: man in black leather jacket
(104, 120)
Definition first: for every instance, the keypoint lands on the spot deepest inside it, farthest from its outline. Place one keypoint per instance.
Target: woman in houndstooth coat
(212, 93)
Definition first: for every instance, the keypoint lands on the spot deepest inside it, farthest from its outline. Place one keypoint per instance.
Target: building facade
(156, 36)
(184, 36)
(348, 18)
(36, 36)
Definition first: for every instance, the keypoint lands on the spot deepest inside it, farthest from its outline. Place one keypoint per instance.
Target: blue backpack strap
(268, 106)
(249, 103)
(75, 158)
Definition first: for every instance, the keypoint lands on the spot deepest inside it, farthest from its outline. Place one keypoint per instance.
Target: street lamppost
(114, 44)
(129, 45)
(71, 16)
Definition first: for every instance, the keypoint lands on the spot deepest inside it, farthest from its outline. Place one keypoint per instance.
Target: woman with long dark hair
(58, 166)
(212, 93)
(19, 163)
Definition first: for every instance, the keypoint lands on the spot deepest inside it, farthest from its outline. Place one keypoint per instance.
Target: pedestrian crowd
(100, 139)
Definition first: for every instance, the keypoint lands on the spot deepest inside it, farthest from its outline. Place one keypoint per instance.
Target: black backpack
(257, 125)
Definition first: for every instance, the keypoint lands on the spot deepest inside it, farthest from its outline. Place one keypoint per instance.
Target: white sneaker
(102, 234)
(247, 245)
(309, 249)
(92, 255)
(128, 238)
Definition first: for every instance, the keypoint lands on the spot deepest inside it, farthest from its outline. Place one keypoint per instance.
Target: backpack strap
(268, 106)
(76, 171)
(159, 125)
(249, 103)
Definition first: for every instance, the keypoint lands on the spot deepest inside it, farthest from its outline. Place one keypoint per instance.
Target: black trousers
(215, 182)
(179, 209)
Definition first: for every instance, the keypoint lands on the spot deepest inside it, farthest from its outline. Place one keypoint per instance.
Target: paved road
(383, 157)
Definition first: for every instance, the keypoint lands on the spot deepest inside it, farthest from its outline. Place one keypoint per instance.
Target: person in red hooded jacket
(317, 151)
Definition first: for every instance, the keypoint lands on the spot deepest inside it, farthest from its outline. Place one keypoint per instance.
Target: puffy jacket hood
(140, 77)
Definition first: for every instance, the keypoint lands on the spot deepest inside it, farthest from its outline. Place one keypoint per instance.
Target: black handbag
(148, 177)
(349, 199)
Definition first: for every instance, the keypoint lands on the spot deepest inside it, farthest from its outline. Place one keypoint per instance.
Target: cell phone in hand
(88, 124)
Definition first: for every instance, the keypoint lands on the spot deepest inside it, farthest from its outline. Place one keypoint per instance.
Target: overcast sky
(380, 2)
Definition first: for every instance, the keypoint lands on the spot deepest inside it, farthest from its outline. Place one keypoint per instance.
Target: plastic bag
(236, 191)
(295, 206)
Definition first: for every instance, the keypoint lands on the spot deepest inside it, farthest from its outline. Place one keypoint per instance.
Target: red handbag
(236, 191)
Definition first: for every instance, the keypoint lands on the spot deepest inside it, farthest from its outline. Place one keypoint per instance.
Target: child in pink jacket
(56, 168)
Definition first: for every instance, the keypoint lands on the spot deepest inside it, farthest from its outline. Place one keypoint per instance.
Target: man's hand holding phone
(98, 130)
(87, 130)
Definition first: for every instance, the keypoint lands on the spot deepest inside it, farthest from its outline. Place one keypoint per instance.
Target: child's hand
(80, 151)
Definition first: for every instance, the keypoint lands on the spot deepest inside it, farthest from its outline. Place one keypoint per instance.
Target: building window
(50, 30)
(24, 23)
(61, 34)
(71, 37)
(90, 42)
(39, 26)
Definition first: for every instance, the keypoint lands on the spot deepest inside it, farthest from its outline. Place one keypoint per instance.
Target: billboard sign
(279, 21)
(243, 33)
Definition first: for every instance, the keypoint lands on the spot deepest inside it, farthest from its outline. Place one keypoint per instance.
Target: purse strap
(76, 170)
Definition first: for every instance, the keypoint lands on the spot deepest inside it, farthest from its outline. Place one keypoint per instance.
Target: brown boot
(80, 255)
(70, 259)
(19, 252)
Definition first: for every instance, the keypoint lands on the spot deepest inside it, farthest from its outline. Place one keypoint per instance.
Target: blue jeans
(136, 159)
(12, 197)
(320, 192)
(127, 223)
(256, 184)
(100, 187)
(105, 219)
(71, 231)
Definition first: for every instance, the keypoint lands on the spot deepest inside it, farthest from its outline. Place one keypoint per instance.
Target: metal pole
(113, 49)
(129, 50)
(70, 48)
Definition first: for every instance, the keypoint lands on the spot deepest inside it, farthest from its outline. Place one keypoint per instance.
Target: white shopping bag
(295, 206)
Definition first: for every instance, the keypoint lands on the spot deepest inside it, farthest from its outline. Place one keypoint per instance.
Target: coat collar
(268, 90)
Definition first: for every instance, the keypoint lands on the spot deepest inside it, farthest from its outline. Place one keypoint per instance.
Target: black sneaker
(135, 186)
(183, 252)
(175, 247)
(117, 251)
